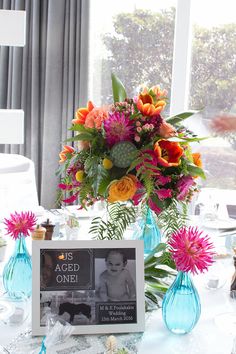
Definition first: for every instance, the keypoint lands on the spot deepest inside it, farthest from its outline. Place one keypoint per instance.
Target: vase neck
(149, 215)
(184, 278)
(20, 245)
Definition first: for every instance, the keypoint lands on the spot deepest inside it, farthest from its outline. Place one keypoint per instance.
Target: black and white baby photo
(115, 275)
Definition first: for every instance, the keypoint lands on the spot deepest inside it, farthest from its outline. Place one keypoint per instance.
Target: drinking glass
(226, 321)
(15, 311)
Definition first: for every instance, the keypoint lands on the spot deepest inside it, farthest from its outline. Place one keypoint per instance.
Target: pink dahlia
(191, 250)
(118, 128)
(20, 224)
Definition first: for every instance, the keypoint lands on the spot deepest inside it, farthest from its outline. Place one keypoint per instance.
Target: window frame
(181, 57)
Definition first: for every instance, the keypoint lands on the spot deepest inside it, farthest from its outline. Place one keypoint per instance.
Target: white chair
(18, 190)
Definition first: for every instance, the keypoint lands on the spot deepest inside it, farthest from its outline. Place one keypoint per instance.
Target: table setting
(122, 267)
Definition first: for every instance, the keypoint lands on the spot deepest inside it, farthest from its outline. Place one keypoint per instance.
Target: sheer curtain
(48, 80)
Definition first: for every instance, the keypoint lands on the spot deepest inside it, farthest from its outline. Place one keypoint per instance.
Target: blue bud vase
(181, 307)
(17, 273)
(148, 231)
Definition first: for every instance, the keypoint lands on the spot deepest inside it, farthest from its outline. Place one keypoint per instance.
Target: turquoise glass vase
(181, 307)
(17, 273)
(148, 231)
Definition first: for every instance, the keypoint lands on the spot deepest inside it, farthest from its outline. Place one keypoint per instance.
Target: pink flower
(162, 180)
(166, 130)
(65, 187)
(183, 186)
(20, 224)
(164, 193)
(71, 199)
(149, 158)
(154, 207)
(137, 198)
(118, 128)
(95, 118)
(191, 251)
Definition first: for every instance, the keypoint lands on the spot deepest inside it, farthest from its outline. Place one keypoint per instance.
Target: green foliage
(159, 270)
(120, 216)
(180, 117)
(172, 218)
(122, 351)
(94, 169)
(119, 93)
(85, 190)
(196, 171)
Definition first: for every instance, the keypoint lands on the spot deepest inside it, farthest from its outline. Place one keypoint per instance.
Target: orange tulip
(64, 153)
(168, 152)
(149, 102)
(82, 113)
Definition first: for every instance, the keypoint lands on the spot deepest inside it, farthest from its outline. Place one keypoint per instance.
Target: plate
(225, 224)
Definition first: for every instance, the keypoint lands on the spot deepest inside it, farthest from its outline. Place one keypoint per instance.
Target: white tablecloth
(206, 337)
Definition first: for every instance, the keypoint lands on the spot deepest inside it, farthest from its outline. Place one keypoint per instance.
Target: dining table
(211, 335)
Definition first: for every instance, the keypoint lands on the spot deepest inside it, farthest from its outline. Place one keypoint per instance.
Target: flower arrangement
(129, 151)
(20, 224)
(191, 250)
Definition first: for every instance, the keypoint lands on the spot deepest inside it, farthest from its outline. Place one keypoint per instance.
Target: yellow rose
(79, 176)
(123, 189)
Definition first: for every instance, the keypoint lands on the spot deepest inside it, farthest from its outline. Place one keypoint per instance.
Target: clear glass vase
(148, 231)
(181, 307)
(17, 273)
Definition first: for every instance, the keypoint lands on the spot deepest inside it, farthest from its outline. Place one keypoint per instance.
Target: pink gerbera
(191, 250)
(20, 224)
(118, 128)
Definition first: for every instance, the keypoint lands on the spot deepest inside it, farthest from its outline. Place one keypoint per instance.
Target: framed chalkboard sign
(97, 286)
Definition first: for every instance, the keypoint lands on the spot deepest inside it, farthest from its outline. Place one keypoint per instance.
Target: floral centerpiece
(129, 151)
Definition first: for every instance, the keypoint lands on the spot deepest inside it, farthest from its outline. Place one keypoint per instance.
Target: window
(133, 39)
(138, 40)
(213, 84)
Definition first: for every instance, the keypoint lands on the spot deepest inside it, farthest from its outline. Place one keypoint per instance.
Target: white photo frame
(97, 286)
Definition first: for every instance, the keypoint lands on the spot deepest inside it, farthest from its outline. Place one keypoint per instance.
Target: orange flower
(149, 102)
(166, 130)
(197, 159)
(168, 152)
(65, 152)
(82, 113)
(95, 118)
(158, 92)
(123, 189)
